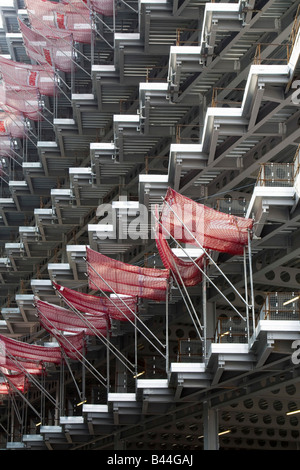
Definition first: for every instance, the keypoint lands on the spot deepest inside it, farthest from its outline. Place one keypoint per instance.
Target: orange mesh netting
(54, 52)
(28, 76)
(124, 278)
(52, 18)
(54, 317)
(99, 305)
(212, 229)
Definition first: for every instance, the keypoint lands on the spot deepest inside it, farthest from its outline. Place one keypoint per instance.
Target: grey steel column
(107, 360)
(211, 321)
(251, 283)
(204, 303)
(167, 329)
(210, 428)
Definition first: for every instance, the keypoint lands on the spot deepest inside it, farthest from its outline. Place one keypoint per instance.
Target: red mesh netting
(20, 365)
(12, 125)
(212, 229)
(72, 344)
(28, 76)
(105, 7)
(188, 272)
(18, 381)
(31, 352)
(98, 305)
(124, 278)
(5, 147)
(61, 319)
(24, 101)
(52, 18)
(53, 52)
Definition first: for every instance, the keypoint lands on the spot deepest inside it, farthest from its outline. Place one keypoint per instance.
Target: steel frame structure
(196, 96)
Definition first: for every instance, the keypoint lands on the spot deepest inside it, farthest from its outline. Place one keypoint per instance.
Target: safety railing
(281, 306)
(155, 73)
(216, 101)
(153, 367)
(280, 56)
(276, 174)
(284, 51)
(232, 206)
(124, 383)
(184, 37)
(231, 330)
(188, 134)
(189, 350)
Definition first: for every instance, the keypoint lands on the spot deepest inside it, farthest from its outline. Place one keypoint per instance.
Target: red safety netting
(20, 365)
(13, 382)
(56, 53)
(115, 309)
(5, 147)
(12, 125)
(124, 278)
(212, 229)
(58, 318)
(52, 18)
(28, 76)
(72, 344)
(30, 352)
(184, 271)
(105, 7)
(24, 101)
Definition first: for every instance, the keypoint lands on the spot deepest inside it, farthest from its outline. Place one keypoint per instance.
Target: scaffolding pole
(90, 367)
(21, 395)
(120, 298)
(204, 307)
(205, 251)
(251, 282)
(105, 341)
(204, 273)
(187, 294)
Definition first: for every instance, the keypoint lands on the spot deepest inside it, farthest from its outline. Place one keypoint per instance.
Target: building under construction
(149, 225)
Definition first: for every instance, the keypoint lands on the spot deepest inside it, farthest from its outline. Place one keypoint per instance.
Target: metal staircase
(170, 94)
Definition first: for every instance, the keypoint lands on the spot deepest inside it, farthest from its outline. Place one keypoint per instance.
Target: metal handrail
(274, 180)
